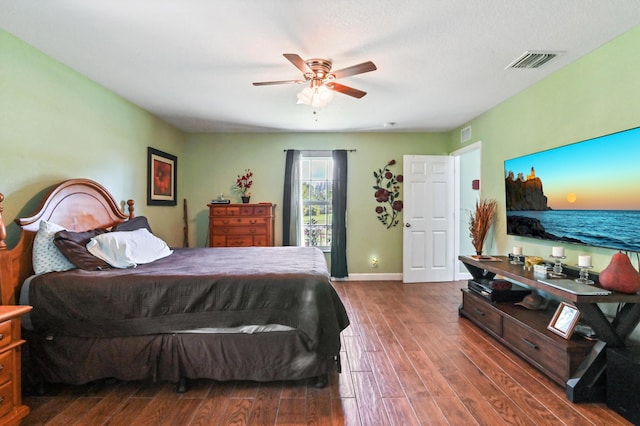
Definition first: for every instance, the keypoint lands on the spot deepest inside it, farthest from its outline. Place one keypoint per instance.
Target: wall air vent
(532, 59)
(465, 134)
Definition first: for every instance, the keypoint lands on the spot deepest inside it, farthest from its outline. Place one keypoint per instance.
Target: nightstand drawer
(6, 398)
(5, 334)
(6, 366)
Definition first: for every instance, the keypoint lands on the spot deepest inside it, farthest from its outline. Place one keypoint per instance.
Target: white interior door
(428, 236)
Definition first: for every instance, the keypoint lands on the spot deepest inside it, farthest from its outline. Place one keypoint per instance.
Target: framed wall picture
(564, 320)
(162, 174)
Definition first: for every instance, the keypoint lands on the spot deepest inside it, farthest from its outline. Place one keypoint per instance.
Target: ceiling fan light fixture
(317, 96)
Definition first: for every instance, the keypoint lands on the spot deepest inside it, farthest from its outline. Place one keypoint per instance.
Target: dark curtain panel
(339, 228)
(291, 199)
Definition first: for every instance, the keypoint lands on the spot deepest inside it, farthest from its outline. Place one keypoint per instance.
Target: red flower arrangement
(388, 192)
(244, 182)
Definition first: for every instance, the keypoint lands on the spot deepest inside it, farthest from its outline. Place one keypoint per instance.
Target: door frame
(458, 273)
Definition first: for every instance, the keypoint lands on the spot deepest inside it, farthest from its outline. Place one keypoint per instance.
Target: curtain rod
(348, 150)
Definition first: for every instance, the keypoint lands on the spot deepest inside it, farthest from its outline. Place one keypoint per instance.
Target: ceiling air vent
(532, 59)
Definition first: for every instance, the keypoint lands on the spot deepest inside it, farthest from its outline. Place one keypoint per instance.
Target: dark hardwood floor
(407, 359)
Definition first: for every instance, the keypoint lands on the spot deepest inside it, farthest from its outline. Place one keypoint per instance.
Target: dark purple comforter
(195, 288)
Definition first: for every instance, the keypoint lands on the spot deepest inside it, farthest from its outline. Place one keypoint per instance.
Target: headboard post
(3, 229)
(130, 208)
(6, 271)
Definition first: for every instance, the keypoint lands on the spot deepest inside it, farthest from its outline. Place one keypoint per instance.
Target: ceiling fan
(317, 73)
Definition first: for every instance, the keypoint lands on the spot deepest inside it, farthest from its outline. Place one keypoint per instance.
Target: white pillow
(46, 256)
(124, 249)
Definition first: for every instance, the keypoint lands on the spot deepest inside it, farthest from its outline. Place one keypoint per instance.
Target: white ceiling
(191, 62)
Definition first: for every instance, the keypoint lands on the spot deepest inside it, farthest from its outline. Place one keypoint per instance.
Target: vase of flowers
(480, 220)
(243, 184)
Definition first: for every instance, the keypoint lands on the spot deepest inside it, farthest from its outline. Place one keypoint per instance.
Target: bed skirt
(269, 356)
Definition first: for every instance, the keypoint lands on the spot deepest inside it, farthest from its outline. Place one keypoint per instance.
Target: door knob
(407, 225)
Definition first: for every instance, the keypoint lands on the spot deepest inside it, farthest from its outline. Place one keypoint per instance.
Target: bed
(254, 313)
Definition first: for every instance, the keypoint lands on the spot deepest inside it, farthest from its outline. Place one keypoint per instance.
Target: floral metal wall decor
(388, 195)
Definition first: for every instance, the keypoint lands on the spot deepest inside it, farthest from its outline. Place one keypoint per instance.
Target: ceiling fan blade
(271, 83)
(298, 62)
(355, 69)
(346, 90)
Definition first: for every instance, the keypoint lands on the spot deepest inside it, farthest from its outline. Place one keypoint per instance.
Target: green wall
(596, 95)
(215, 160)
(56, 124)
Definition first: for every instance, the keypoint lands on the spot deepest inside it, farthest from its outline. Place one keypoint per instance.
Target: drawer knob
(530, 344)
(1, 399)
(1, 336)
(1, 368)
(479, 312)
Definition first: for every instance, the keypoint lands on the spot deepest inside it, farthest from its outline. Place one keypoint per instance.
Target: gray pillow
(73, 245)
(133, 224)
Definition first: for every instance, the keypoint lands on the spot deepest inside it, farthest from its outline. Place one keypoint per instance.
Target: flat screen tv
(586, 192)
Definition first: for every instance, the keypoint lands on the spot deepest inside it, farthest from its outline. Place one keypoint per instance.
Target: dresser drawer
(260, 241)
(482, 313)
(256, 210)
(239, 221)
(6, 398)
(239, 241)
(225, 211)
(537, 348)
(218, 241)
(5, 334)
(240, 230)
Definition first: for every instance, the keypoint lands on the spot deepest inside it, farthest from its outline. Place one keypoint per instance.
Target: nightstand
(11, 407)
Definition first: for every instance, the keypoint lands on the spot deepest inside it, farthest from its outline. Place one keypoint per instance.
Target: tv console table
(583, 365)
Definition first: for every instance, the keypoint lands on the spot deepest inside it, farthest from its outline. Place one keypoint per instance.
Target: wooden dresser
(241, 225)
(11, 407)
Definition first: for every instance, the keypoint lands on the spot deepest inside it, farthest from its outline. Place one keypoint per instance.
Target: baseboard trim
(372, 277)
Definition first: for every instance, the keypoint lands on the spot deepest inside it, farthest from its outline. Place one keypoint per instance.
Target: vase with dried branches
(480, 220)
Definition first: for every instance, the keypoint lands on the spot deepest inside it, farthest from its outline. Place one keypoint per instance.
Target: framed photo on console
(564, 320)
(161, 178)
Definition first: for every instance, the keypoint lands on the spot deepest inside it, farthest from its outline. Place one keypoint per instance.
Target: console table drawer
(537, 348)
(482, 313)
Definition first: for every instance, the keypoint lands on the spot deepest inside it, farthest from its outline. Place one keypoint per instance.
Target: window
(316, 190)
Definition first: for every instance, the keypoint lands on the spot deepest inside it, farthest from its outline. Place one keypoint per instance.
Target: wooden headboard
(76, 204)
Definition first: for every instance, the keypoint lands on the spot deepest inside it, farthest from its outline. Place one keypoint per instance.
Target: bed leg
(41, 388)
(182, 385)
(322, 381)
